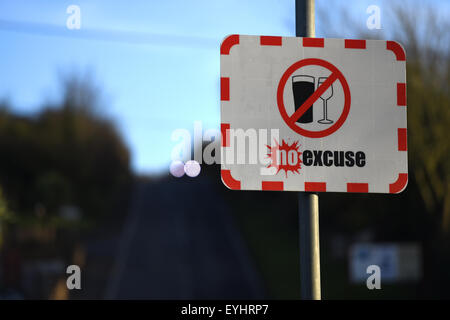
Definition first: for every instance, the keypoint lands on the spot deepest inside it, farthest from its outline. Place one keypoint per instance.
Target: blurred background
(90, 95)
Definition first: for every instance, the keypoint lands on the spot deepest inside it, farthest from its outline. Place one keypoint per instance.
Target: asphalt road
(180, 242)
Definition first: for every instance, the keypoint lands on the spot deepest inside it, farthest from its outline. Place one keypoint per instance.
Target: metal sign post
(308, 203)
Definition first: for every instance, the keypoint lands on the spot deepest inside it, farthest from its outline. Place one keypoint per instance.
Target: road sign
(313, 114)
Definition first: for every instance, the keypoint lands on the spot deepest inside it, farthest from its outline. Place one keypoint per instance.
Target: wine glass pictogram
(325, 97)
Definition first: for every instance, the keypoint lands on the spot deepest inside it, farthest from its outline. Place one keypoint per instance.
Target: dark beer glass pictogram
(303, 88)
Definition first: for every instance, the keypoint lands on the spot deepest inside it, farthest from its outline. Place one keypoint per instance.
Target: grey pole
(305, 25)
(308, 203)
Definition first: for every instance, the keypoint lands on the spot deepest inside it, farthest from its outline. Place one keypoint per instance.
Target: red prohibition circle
(318, 62)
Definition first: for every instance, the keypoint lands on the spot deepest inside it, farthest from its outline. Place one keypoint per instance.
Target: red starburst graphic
(285, 157)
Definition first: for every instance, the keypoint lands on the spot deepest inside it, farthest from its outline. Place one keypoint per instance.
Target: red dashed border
(357, 187)
(315, 186)
(354, 187)
(400, 184)
(355, 44)
(397, 49)
(272, 185)
(229, 181)
(228, 43)
(225, 130)
(313, 42)
(224, 89)
(401, 94)
(402, 139)
(271, 41)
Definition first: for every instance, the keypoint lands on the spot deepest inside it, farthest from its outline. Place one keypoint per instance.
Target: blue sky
(157, 62)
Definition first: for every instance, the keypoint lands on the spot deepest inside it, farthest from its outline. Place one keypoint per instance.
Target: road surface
(179, 242)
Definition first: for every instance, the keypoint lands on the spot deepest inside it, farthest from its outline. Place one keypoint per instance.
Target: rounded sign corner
(228, 42)
(229, 181)
(400, 184)
(398, 49)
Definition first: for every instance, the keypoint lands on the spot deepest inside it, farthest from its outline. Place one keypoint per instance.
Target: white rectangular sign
(313, 114)
(398, 262)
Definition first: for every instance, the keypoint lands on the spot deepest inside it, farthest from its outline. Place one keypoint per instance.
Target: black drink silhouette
(303, 88)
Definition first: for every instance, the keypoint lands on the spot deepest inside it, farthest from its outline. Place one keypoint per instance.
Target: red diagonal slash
(312, 98)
